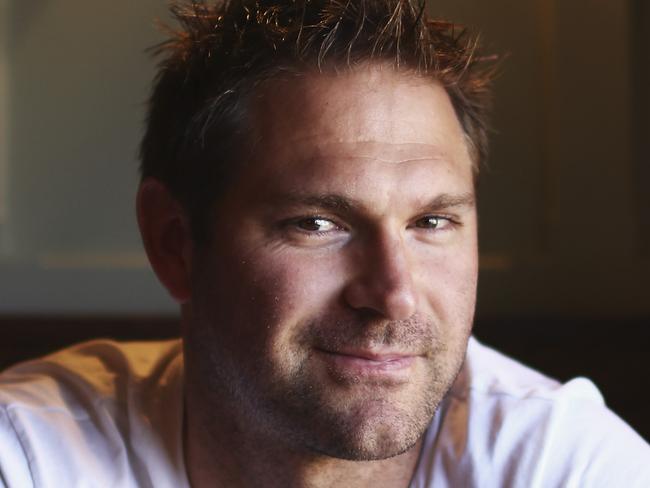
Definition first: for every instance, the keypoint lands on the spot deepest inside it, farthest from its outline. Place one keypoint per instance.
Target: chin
(373, 446)
(370, 432)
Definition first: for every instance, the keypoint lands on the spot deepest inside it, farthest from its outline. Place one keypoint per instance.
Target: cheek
(300, 285)
(269, 295)
(451, 280)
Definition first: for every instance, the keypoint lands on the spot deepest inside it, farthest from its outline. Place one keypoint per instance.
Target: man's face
(331, 310)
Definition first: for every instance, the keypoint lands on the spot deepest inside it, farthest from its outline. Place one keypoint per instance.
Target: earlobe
(165, 230)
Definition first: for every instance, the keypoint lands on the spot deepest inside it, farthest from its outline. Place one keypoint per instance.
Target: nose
(382, 280)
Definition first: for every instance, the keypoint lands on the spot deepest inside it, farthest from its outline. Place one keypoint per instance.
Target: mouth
(364, 363)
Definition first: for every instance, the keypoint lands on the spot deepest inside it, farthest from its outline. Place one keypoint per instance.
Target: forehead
(367, 135)
(373, 104)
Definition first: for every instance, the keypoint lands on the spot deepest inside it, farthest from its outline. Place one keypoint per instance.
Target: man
(308, 199)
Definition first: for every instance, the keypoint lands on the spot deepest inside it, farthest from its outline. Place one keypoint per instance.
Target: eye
(433, 222)
(316, 224)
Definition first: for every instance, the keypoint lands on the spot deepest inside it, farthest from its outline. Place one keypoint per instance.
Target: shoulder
(88, 409)
(504, 424)
(87, 359)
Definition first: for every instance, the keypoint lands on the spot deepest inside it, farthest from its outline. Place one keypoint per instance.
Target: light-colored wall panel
(4, 125)
(79, 81)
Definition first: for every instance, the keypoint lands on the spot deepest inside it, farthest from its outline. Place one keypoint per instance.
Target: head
(308, 197)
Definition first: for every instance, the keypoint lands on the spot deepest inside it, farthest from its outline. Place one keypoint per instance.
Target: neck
(230, 455)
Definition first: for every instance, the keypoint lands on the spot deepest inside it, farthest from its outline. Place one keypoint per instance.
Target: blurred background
(564, 203)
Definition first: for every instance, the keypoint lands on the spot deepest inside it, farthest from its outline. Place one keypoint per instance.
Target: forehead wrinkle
(394, 161)
(369, 148)
(386, 153)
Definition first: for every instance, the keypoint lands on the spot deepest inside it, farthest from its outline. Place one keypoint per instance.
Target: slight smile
(361, 363)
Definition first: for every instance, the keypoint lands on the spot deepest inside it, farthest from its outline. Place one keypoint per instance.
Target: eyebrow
(446, 201)
(340, 203)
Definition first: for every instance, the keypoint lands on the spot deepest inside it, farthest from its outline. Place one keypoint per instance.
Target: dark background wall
(564, 203)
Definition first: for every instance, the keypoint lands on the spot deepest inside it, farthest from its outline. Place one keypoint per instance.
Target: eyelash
(447, 220)
(296, 223)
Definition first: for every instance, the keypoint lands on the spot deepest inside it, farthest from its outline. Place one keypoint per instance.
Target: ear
(164, 226)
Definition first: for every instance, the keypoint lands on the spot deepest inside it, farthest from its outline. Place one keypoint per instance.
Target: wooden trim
(23, 336)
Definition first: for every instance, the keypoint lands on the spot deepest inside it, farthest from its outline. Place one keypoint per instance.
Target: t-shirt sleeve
(560, 436)
(606, 451)
(507, 426)
(579, 442)
(14, 464)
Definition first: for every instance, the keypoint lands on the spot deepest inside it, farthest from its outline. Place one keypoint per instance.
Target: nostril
(392, 299)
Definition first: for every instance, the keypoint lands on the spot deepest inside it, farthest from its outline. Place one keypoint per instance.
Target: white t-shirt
(103, 414)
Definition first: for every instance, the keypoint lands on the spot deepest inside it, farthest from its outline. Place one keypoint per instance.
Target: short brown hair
(196, 126)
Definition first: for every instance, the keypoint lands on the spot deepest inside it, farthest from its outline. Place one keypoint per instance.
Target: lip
(360, 363)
